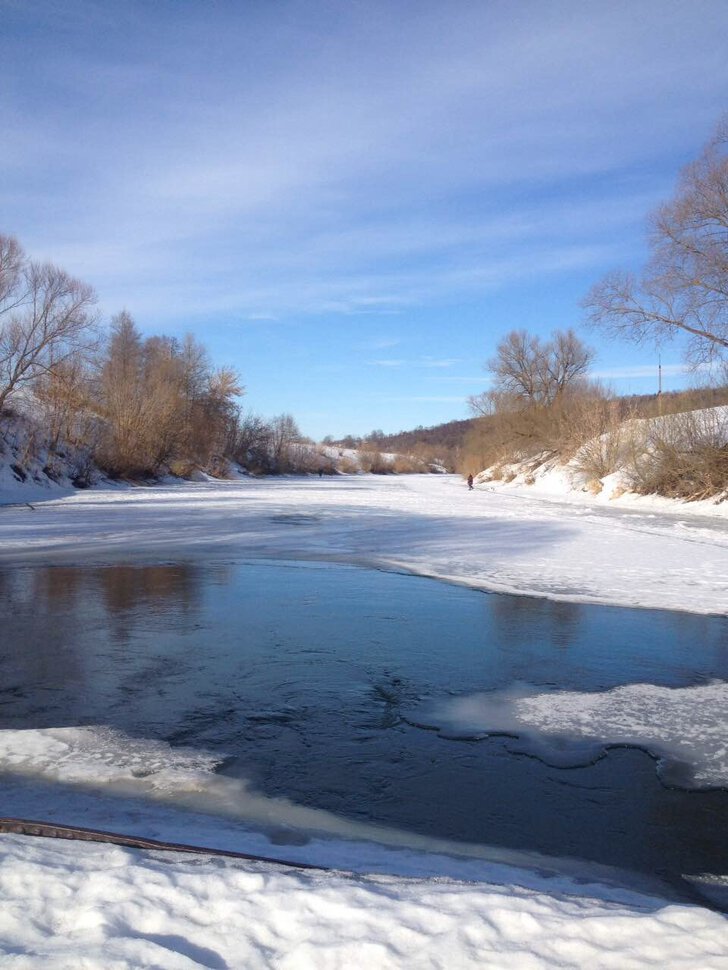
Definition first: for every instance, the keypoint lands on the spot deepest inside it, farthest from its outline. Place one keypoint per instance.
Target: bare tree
(121, 390)
(63, 397)
(252, 444)
(46, 317)
(221, 412)
(528, 371)
(684, 288)
(284, 436)
(163, 404)
(12, 259)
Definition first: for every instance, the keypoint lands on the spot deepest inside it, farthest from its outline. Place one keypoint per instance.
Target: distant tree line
(133, 406)
(439, 445)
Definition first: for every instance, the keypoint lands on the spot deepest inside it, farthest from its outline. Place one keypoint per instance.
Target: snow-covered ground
(79, 905)
(95, 906)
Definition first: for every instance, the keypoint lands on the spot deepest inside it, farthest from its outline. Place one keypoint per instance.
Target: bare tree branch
(684, 287)
(46, 316)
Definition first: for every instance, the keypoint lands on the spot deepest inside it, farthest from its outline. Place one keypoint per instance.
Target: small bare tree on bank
(538, 389)
(46, 318)
(684, 287)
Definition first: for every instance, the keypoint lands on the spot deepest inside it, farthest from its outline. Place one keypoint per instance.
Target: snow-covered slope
(613, 465)
(31, 470)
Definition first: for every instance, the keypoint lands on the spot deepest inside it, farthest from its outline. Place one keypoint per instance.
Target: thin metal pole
(659, 384)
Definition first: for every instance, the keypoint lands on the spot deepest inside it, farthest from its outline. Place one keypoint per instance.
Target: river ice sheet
(686, 728)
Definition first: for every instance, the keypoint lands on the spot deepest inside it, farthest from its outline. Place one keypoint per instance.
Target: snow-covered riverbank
(94, 906)
(78, 905)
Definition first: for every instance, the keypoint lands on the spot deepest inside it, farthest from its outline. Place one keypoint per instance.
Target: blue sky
(353, 200)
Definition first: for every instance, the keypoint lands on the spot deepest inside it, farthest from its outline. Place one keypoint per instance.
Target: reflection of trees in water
(155, 588)
(42, 629)
(115, 589)
(131, 595)
(521, 620)
(16, 589)
(58, 587)
(49, 615)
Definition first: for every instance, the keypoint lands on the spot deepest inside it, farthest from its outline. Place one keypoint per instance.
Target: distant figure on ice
(321, 473)
(470, 483)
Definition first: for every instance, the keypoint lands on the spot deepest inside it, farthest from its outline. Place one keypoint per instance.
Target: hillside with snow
(681, 457)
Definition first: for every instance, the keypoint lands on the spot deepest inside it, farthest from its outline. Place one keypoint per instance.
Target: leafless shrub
(348, 466)
(600, 438)
(519, 433)
(219, 467)
(374, 462)
(685, 456)
(182, 467)
(83, 469)
(407, 465)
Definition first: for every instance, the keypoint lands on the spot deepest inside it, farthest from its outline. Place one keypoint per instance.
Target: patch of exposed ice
(103, 756)
(685, 728)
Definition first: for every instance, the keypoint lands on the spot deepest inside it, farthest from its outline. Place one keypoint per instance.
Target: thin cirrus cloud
(279, 174)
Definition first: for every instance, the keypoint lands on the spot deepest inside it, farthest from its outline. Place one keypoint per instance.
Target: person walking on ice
(470, 483)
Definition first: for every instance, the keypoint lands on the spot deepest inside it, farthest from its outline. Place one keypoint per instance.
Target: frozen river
(289, 694)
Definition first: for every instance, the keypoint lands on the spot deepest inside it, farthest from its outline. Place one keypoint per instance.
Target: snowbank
(94, 906)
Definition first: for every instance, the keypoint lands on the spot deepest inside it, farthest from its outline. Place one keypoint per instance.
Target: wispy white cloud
(381, 343)
(380, 175)
(440, 362)
(247, 161)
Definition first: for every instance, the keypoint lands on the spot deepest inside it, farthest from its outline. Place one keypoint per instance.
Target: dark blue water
(304, 675)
